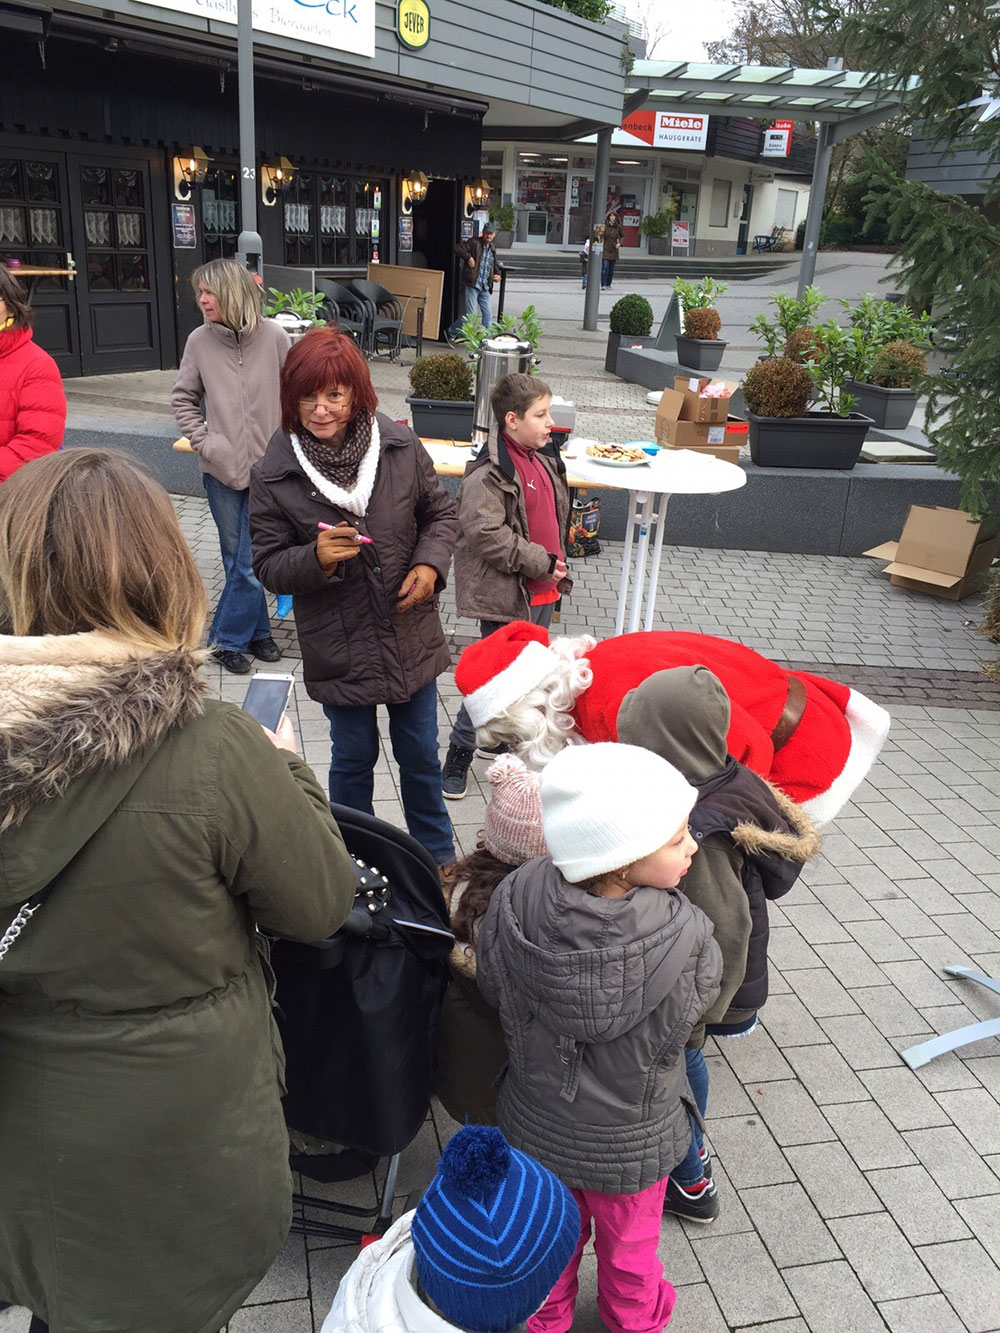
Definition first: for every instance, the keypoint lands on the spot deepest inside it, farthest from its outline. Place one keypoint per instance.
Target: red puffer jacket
(32, 402)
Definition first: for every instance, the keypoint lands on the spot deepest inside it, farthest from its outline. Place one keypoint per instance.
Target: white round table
(670, 472)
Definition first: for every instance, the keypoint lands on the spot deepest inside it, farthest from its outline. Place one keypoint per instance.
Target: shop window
(331, 220)
(719, 212)
(32, 217)
(219, 216)
(784, 213)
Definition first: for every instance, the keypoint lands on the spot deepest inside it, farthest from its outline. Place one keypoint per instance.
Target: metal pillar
(249, 246)
(817, 197)
(602, 167)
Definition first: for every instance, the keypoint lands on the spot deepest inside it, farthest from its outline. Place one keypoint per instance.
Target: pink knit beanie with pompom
(513, 828)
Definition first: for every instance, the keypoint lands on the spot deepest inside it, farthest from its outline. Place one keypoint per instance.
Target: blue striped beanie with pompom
(492, 1233)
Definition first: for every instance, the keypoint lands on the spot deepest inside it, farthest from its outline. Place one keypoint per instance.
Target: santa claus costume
(813, 738)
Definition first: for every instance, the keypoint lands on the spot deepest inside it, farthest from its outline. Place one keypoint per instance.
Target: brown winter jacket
(356, 647)
(494, 558)
(614, 234)
(237, 376)
(473, 249)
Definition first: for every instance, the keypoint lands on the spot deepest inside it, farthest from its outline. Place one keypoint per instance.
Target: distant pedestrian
(479, 273)
(32, 402)
(225, 401)
(614, 234)
(595, 239)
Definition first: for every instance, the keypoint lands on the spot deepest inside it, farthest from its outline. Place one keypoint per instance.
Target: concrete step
(566, 264)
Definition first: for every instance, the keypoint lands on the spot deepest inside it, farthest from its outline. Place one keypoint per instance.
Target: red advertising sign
(668, 129)
(680, 235)
(778, 139)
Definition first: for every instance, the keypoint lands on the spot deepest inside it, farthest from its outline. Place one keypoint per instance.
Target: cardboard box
(675, 431)
(697, 408)
(943, 552)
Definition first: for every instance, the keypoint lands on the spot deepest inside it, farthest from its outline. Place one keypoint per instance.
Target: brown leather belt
(791, 716)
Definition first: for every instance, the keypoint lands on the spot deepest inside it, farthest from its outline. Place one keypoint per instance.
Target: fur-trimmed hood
(72, 706)
(801, 842)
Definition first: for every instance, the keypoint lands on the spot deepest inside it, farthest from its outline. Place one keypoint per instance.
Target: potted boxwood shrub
(502, 217)
(699, 347)
(441, 401)
(656, 229)
(784, 430)
(631, 320)
(886, 394)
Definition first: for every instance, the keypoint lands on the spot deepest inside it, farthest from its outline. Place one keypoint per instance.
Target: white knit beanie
(512, 829)
(605, 806)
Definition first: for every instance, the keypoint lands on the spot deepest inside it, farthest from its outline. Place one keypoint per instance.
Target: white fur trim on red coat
(528, 669)
(869, 724)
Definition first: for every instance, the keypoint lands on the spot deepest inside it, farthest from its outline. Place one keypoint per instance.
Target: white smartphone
(267, 698)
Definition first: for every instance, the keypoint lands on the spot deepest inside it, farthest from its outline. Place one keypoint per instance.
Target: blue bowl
(647, 446)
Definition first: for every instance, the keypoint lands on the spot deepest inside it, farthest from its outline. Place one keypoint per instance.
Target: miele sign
(668, 129)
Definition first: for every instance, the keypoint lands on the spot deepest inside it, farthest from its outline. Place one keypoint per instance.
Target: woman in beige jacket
(225, 401)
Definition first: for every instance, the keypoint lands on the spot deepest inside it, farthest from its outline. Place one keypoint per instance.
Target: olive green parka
(144, 1181)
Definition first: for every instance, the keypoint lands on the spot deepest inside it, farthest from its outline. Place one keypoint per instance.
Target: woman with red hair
(347, 515)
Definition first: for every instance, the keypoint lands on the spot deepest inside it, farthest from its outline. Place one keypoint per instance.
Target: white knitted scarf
(356, 500)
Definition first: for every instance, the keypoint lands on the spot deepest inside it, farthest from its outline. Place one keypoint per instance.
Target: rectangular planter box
(700, 353)
(658, 245)
(890, 409)
(618, 340)
(437, 420)
(819, 440)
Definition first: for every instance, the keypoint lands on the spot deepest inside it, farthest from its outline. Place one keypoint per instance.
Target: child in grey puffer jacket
(600, 969)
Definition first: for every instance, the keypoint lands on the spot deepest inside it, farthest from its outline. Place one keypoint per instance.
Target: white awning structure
(842, 102)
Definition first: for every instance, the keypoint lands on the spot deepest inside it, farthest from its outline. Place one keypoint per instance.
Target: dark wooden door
(35, 228)
(112, 213)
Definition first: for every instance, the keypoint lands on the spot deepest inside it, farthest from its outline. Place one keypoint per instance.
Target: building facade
(119, 144)
(713, 173)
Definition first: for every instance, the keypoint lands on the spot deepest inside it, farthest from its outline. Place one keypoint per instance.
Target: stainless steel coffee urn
(497, 357)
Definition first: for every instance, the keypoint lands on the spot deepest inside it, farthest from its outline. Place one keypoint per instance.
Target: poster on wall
(778, 139)
(405, 234)
(468, 229)
(343, 25)
(184, 227)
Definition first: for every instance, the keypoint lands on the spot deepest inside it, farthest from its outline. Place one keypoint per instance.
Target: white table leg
(645, 500)
(626, 560)
(660, 519)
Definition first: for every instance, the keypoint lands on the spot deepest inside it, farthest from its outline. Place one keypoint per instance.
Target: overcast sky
(688, 25)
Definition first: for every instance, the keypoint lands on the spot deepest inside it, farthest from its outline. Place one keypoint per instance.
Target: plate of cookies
(615, 454)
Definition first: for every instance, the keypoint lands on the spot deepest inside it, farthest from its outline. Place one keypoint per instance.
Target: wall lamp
(417, 183)
(275, 178)
(480, 192)
(190, 169)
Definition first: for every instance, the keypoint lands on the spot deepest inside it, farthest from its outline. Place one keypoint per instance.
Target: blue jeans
(241, 615)
(413, 733)
(473, 296)
(690, 1170)
(607, 271)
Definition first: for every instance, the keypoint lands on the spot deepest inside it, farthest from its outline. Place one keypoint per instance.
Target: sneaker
(491, 751)
(265, 650)
(455, 772)
(237, 664)
(696, 1203)
(706, 1162)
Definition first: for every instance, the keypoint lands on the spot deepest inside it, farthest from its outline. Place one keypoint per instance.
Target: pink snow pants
(633, 1296)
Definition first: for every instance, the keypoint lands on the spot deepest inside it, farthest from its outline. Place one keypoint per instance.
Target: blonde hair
(540, 723)
(238, 295)
(89, 541)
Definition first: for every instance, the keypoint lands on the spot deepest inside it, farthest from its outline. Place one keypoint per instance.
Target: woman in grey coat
(600, 969)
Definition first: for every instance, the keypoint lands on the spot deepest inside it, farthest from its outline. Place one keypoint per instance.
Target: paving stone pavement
(856, 1195)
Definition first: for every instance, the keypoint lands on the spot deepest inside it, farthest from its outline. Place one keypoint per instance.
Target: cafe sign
(342, 25)
(413, 23)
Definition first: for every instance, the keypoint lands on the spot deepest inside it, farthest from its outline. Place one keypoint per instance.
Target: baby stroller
(358, 1012)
